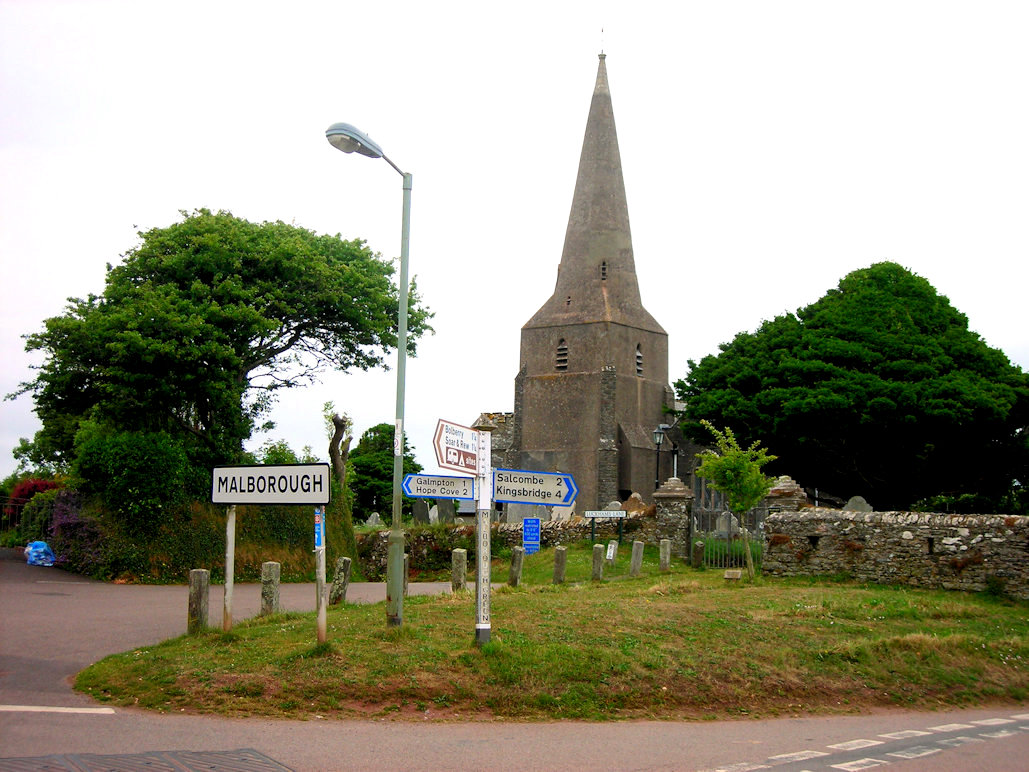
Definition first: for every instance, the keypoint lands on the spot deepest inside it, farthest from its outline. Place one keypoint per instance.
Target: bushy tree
(372, 479)
(878, 389)
(735, 471)
(201, 323)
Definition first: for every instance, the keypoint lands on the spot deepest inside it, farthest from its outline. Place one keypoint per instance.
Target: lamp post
(659, 437)
(346, 138)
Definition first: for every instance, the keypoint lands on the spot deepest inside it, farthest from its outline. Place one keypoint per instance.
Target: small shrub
(21, 494)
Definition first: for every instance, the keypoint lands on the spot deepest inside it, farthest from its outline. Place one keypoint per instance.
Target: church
(592, 384)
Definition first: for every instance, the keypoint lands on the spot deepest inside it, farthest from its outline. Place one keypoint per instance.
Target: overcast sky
(768, 148)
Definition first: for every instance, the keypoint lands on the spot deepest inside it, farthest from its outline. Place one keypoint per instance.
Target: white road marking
(854, 745)
(55, 709)
(905, 735)
(950, 727)
(798, 756)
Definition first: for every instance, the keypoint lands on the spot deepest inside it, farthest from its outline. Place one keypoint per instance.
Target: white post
(230, 565)
(482, 534)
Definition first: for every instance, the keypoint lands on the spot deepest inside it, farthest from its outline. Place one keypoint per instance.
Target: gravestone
(433, 514)
(857, 504)
(515, 513)
(728, 525)
(420, 511)
(445, 508)
(373, 519)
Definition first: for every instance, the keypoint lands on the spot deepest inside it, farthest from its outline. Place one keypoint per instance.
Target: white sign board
(597, 513)
(519, 486)
(286, 484)
(429, 486)
(457, 447)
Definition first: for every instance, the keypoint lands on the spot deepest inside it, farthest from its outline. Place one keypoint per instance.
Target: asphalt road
(52, 624)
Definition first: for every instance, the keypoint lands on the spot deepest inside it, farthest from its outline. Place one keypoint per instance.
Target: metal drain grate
(244, 760)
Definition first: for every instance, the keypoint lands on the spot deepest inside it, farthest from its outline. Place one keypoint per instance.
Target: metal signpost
(319, 553)
(427, 486)
(594, 514)
(257, 484)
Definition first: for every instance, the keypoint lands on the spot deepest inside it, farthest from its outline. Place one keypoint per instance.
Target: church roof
(596, 280)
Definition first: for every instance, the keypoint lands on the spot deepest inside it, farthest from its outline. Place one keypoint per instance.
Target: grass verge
(679, 645)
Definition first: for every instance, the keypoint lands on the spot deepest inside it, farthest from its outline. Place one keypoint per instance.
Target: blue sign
(522, 486)
(319, 527)
(531, 535)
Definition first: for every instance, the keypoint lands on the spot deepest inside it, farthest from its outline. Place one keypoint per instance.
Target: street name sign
(259, 484)
(596, 513)
(457, 447)
(518, 486)
(434, 486)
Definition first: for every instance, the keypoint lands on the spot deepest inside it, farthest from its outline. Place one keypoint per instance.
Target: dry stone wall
(959, 552)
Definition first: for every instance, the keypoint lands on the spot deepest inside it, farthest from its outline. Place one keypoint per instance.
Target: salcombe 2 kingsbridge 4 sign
(286, 484)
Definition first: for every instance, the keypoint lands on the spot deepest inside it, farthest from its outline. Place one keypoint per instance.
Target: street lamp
(346, 138)
(659, 436)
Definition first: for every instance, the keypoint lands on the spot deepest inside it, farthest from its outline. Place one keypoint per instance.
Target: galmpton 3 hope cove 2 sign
(285, 484)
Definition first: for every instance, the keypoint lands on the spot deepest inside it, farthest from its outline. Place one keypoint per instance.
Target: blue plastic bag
(38, 553)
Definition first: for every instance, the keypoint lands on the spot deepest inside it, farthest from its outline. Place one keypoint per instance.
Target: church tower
(593, 378)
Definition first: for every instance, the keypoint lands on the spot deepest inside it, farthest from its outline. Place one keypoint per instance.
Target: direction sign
(518, 486)
(456, 446)
(427, 486)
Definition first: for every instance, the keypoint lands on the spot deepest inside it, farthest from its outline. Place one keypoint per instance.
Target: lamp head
(345, 137)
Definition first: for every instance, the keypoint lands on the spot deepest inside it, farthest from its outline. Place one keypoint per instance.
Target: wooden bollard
(458, 570)
(636, 563)
(665, 555)
(199, 598)
(340, 582)
(598, 562)
(270, 572)
(560, 564)
(514, 576)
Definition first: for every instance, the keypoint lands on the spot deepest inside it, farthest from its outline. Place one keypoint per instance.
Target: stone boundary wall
(954, 552)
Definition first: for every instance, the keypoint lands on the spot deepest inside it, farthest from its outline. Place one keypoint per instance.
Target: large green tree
(372, 480)
(878, 389)
(201, 323)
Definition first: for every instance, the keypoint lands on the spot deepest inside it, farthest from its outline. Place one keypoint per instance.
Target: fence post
(514, 577)
(340, 582)
(458, 570)
(199, 598)
(270, 572)
(637, 559)
(560, 564)
(598, 562)
(665, 551)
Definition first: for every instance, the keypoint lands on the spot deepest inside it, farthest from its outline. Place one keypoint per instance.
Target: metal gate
(722, 532)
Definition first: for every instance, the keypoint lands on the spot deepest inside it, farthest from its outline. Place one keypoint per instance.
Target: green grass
(684, 644)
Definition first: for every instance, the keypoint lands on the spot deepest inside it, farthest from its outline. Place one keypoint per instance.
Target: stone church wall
(954, 552)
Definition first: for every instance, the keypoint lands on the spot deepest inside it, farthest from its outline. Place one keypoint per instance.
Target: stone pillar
(560, 563)
(666, 554)
(674, 504)
(458, 570)
(598, 562)
(340, 582)
(199, 600)
(270, 588)
(637, 559)
(697, 557)
(514, 577)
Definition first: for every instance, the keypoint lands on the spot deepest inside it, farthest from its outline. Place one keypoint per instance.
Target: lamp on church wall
(347, 139)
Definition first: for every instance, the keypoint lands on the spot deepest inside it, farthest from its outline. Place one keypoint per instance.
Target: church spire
(596, 280)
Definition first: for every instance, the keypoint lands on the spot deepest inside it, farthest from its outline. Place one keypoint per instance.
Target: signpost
(457, 447)
(263, 484)
(518, 486)
(484, 469)
(319, 572)
(427, 486)
(594, 514)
